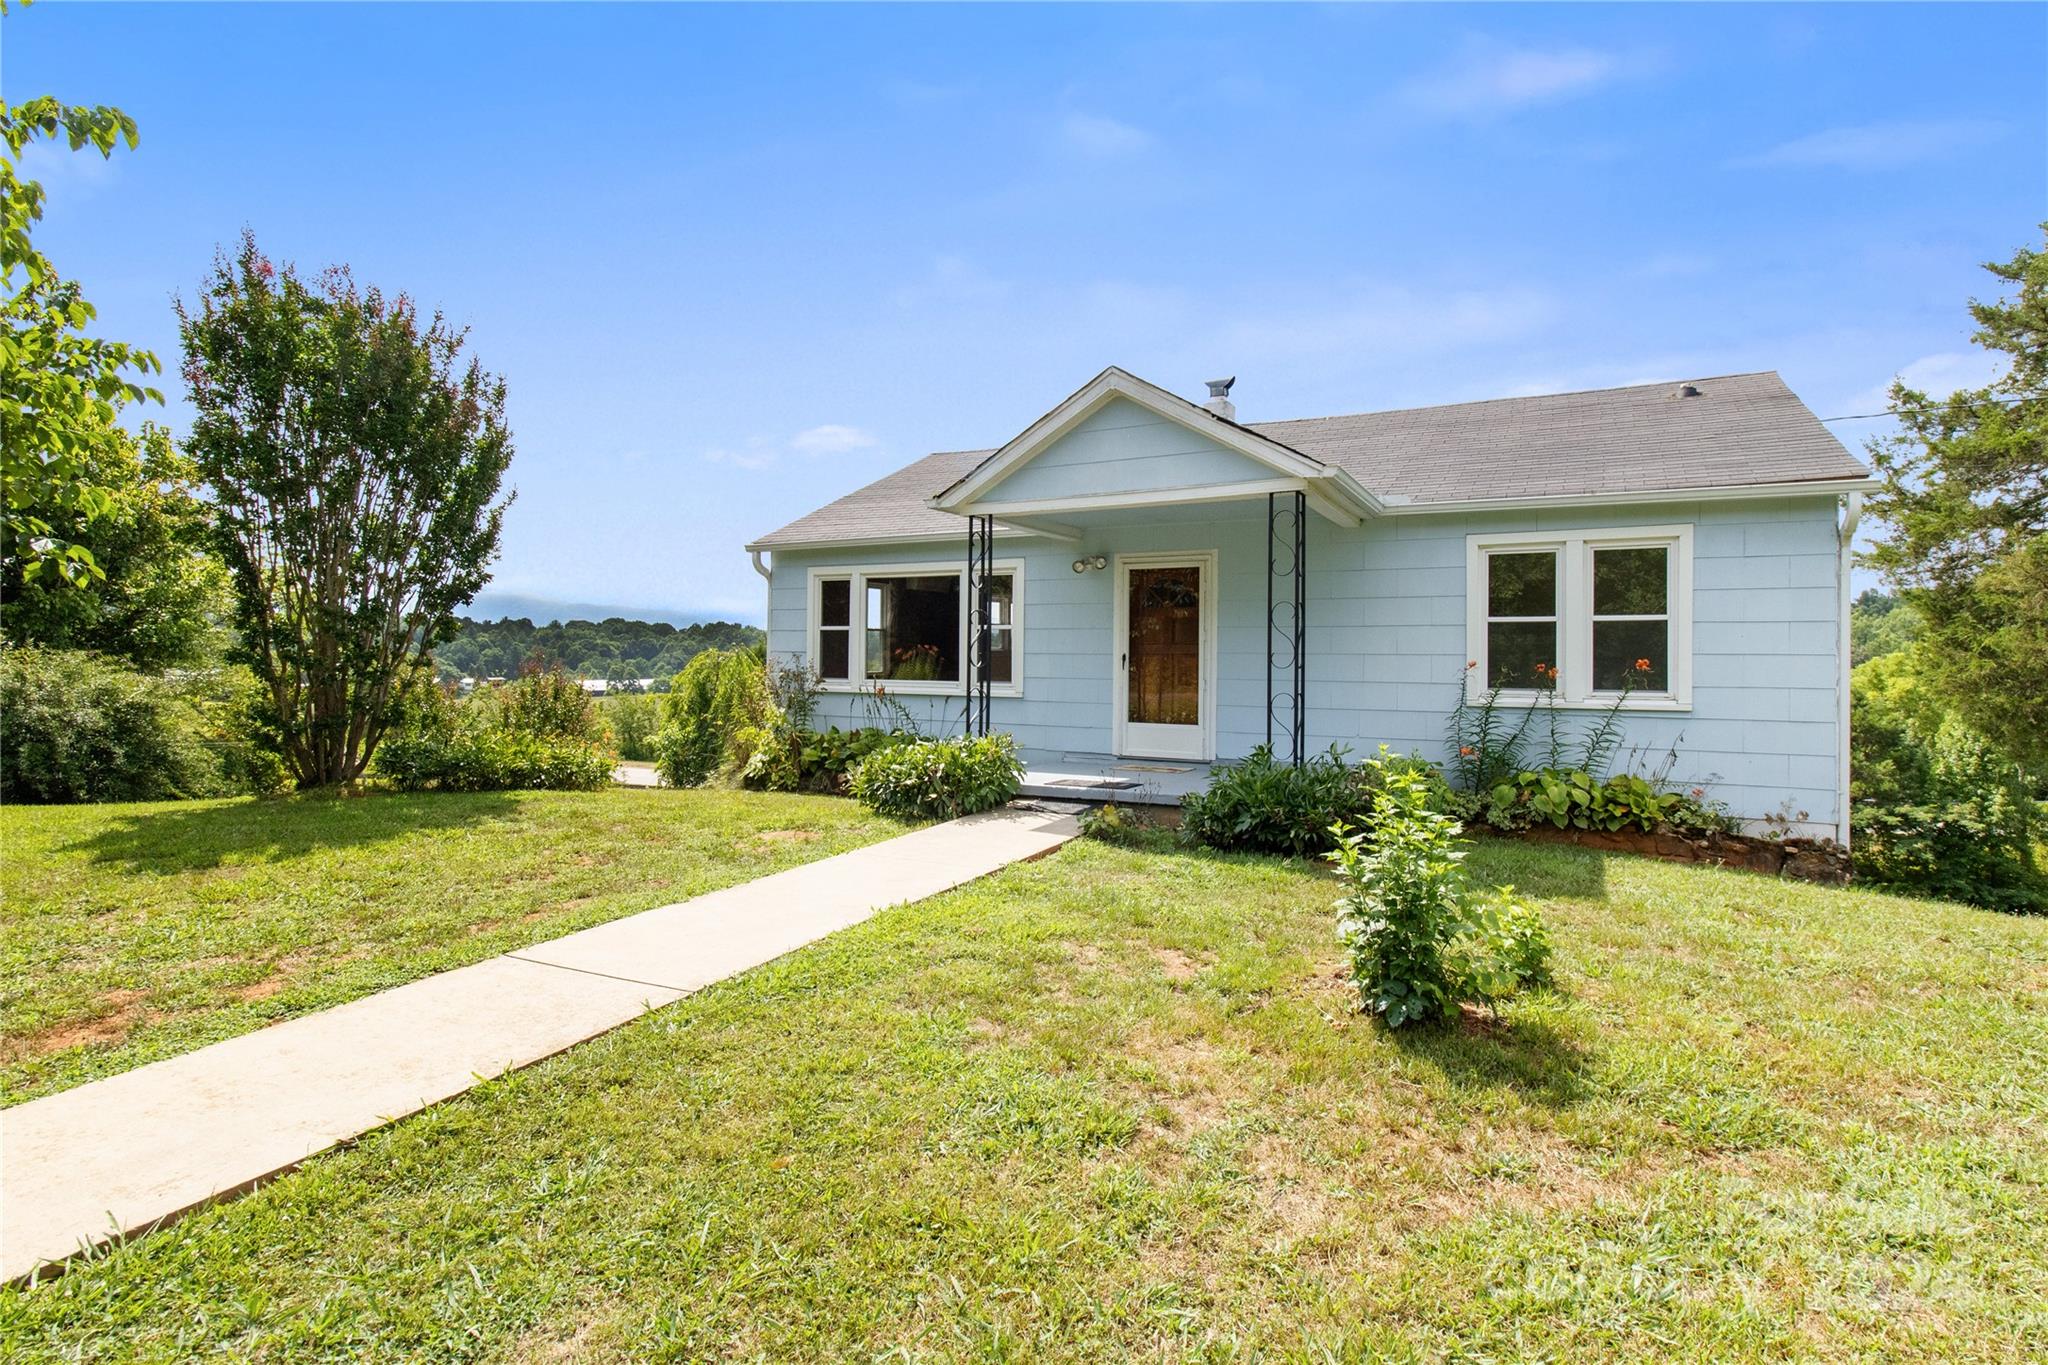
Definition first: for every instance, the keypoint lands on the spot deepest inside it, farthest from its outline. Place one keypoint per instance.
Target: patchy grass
(1113, 1105)
(132, 932)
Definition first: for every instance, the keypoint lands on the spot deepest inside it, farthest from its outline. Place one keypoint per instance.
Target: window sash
(864, 628)
(1575, 621)
(822, 630)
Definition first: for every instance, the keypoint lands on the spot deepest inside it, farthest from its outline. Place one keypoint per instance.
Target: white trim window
(1589, 615)
(904, 627)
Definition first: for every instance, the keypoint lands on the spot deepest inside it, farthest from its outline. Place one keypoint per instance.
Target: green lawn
(1112, 1105)
(135, 932)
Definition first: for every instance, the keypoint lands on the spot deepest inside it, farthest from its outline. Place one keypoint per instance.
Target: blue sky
(733, 262)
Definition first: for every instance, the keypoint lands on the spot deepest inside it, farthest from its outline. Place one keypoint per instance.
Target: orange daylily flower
(1642, 665)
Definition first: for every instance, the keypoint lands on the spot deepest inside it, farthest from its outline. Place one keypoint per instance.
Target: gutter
(1852, 513)
(767, 590)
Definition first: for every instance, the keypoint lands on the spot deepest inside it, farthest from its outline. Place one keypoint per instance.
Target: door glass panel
(1165, 674)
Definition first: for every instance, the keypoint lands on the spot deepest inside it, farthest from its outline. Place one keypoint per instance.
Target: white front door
(1165, 648)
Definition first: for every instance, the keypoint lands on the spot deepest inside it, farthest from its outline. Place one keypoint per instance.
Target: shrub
(477, 760)
(713, 716)
(540, 732)
(1114, 824)
(1265, 806)
(634, 718)
(825, 758)
(80, 727)
(1946, 815)
(1420, 941)
(939, 778)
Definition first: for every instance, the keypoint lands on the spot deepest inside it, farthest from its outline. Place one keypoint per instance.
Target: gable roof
(1741, 431)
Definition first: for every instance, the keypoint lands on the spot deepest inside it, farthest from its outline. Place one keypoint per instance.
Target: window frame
(856, 576)
(1574, 549)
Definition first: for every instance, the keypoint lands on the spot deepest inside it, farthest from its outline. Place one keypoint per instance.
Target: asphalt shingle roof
(1741, 429)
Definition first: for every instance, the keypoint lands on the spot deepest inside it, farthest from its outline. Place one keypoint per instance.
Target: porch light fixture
(1087, 562)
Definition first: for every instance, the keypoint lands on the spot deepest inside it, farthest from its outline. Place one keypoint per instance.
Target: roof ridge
(1519, 398)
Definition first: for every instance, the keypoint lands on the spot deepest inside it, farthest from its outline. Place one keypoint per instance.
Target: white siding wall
(1386, 640)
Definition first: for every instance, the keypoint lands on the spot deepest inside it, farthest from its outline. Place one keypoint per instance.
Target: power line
(1894, 412)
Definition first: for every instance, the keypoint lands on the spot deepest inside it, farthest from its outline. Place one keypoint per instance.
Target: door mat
(1111, 783)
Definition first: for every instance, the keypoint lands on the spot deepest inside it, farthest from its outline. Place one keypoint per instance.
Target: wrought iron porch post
(981, 534)
(1286, 623)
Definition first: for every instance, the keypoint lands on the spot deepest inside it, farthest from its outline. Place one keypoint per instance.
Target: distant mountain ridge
(495, 606)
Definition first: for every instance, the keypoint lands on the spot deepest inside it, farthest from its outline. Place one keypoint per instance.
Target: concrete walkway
(121, 1155)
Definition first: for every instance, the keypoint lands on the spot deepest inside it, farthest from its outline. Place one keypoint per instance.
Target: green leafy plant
(939, 778)
(1113, 824)
(634, 718)
(1485, 745)
(1572, 798)
(1420, 941)
(915, 663)
(714, 716)
(825, 758)
(1262, 805)
(79, 727)
(1945, 814)
(539, 732)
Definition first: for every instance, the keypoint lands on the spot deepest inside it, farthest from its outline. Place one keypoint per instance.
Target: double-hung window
(905, 627)
(1588, 616)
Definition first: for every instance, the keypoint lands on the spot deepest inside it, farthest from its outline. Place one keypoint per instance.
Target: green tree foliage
(615, 647)
(81, 727)
(355, 462)
(1935, 808)
(714, 703)
(1966, 503)
(60, 388)
(161, 595)
(1880, 624)
(633, 719)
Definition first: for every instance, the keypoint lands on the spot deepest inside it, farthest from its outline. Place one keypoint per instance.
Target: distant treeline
(611, 648)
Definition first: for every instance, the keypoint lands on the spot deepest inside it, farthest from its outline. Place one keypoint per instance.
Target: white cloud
(1492, 81)
(1875, 146)
(756, 454)
(762, 453)
(1939, 374)
(63, 173)
(1098, 135)
(830, 439)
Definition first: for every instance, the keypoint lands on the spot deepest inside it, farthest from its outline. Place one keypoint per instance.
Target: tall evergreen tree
(1965, 504)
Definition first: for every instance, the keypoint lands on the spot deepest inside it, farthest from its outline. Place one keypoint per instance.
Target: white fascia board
(1722, 493)
(868, 542)
(1116, 383)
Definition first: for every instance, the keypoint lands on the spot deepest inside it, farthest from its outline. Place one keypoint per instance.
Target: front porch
(1069, 776)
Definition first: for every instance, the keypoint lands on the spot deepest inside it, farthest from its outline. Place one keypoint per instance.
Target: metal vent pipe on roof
(1219, 398)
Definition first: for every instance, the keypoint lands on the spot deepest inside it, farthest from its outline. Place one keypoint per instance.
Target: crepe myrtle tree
(355, 458)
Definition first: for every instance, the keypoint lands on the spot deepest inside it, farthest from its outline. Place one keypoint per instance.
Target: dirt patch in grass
(125, 1012)
(1179, 966)
(787, 836)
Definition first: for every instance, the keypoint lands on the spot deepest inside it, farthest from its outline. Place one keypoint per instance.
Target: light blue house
(1137, 584)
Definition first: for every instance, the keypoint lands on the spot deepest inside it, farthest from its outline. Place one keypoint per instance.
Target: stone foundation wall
(1807, 860)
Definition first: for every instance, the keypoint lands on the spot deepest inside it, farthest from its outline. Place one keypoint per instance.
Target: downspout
(767, 592)
(1852, 513)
